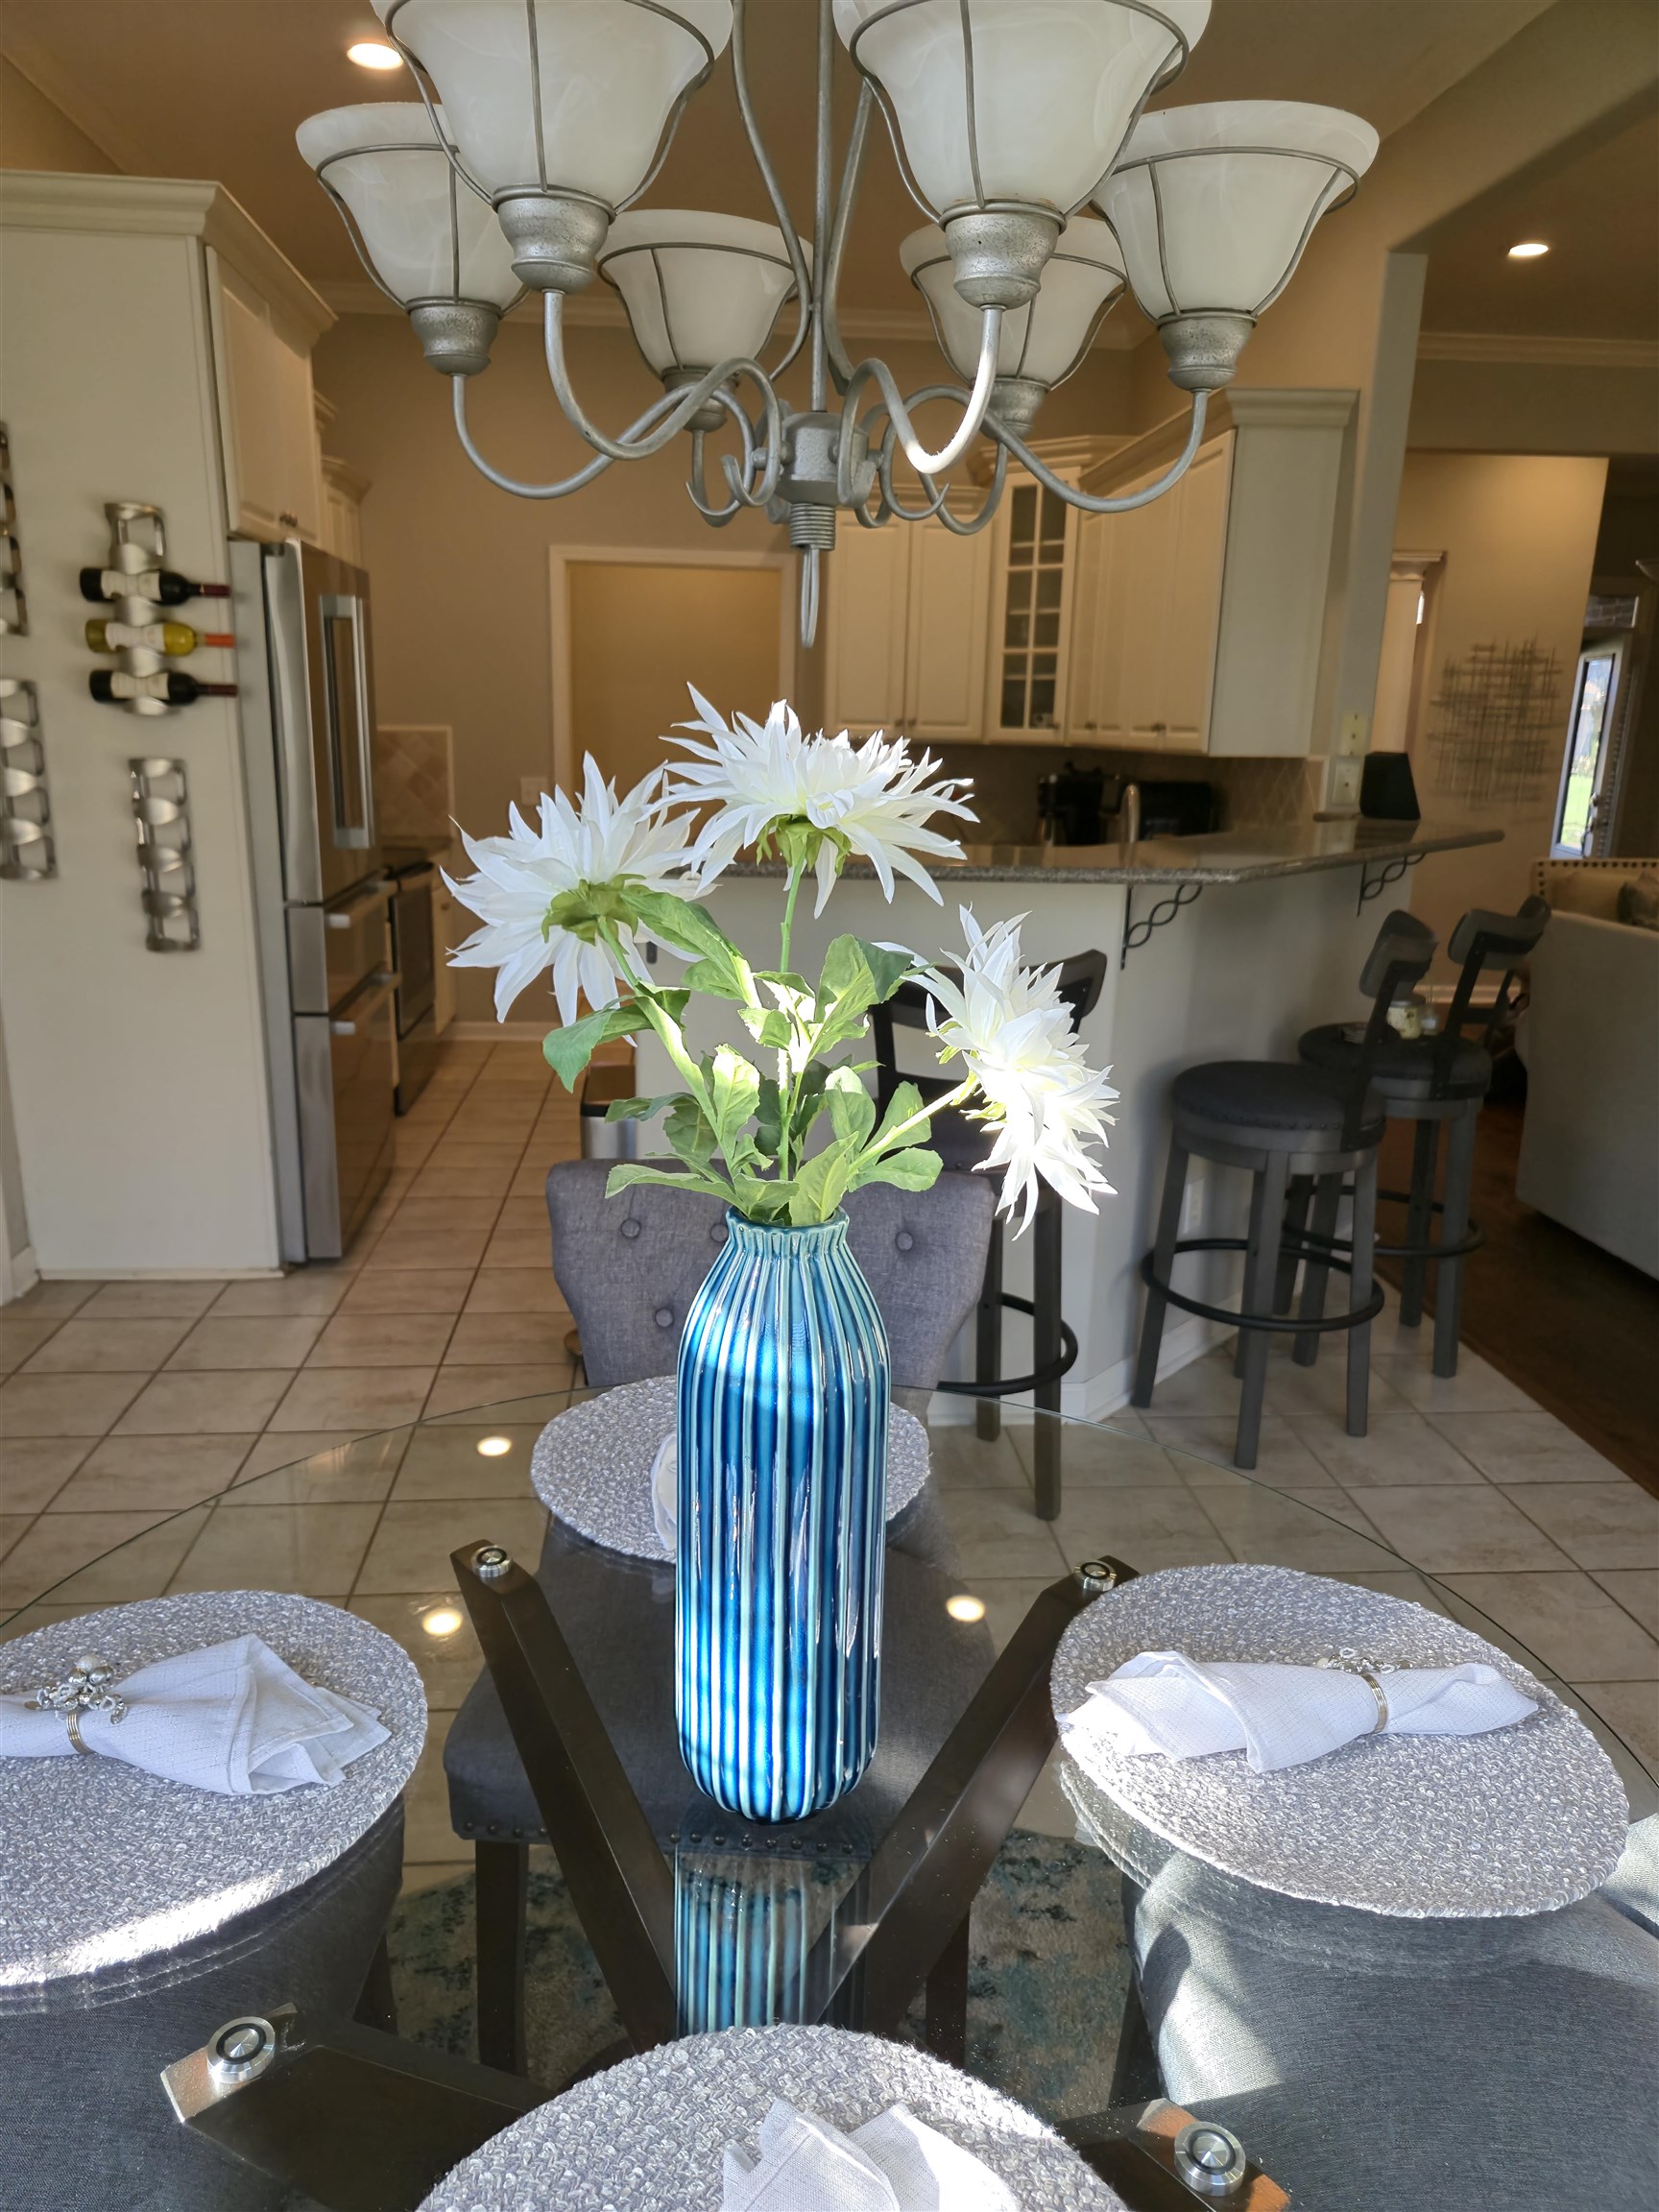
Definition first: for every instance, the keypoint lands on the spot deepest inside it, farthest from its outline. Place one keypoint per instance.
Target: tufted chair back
(629, 1267)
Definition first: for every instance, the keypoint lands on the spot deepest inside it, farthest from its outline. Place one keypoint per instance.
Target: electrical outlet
(1343, 787)
(1354, 736)
(1192, 1207)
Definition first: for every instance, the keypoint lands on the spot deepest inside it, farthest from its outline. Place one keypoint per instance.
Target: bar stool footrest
(1006, 1386)
(1307, 1243)
(1284, 1324)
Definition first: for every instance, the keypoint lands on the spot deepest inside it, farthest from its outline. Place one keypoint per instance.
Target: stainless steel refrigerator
(321, 893)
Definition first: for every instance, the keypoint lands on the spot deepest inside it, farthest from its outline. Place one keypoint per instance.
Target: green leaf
(720, 968)
(908, 1169)
(734, 1087)
(771, 1028)
(635, 1171)
(905, 1101)
(769, 1117)
(689, 1132)
(567, 1050)
(851, 1109)
(718, 979)
(639, 1109)
(822, 1182)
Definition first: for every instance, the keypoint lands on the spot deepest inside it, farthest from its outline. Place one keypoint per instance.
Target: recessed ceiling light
(373, 54)
(1528, 250)
(494, 1447)
(441, 1621)
(964, 1608)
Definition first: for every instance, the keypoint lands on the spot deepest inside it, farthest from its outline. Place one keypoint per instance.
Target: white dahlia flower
(577, 850)
(868, 801)
(1016, 1037)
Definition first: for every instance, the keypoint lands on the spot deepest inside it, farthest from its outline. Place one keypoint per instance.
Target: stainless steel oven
(412, 948)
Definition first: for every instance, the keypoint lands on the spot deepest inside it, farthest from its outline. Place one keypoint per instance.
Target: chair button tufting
(630, 1228)
(904, 1240)
(664, 1316)
(717, 1234)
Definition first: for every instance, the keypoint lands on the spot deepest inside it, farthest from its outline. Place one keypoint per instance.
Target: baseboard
(18, 1274)
(163, 1274)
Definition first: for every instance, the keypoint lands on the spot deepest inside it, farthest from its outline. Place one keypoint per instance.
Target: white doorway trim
(561, 558)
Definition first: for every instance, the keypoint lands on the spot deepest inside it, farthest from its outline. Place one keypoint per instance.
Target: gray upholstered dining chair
(629, 1267)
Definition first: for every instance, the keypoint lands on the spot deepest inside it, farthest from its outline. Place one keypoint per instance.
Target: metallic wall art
(1499, 723)
(160, 814)
(13, 605)
(27, 854)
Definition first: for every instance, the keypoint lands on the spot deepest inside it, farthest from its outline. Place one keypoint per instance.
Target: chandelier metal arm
(829, 276)
(582, 476)
(716, 517)
(925, 464)
(684, 403)
(1084, 502)
(807, 301)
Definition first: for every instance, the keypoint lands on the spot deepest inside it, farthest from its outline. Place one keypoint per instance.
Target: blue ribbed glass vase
(783, 1461)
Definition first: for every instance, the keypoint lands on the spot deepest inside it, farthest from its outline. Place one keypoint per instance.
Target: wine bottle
(162, 587)
(171, 686)
(176, 638)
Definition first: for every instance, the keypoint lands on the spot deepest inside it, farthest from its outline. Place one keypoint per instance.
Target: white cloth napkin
(894, 2163)
(1162, 1701)
(665, 1491)
(234, 1718)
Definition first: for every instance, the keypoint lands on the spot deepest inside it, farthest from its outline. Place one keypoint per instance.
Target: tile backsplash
(1253, 794)
(414, 781)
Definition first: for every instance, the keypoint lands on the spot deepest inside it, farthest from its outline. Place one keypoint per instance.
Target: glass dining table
(969, 1799)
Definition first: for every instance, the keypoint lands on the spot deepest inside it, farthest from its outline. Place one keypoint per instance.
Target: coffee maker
(1069, 805)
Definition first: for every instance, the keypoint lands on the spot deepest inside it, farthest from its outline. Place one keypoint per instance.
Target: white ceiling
(215, 87)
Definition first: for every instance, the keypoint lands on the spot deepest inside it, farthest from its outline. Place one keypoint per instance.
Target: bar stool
(1284, 1119)
(1431, 1081)
(963, 1143)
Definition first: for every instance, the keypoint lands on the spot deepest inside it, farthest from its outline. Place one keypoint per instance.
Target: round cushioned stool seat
(1404, 1067)
(1271, 1094)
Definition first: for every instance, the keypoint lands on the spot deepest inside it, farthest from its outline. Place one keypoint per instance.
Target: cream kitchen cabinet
(1196, 622)
(273, 469)
(905, 631)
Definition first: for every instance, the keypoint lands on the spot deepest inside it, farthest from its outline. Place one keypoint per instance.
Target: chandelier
(542, 123)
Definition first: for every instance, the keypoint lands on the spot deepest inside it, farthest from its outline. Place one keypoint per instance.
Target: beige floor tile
(101, 1347)
(270, 1340)
(314, 1289)
(1098, 1458)
(142, 1471)
(314, 1550)
(346, 1471)
(34, 1469)
(1458, 1528)
(1597, 1524)
(961, 1460)
(412, 1543)
(60, 1298)
(1204, 1448)
(1474, 1388)
(64, 1553)
(443, 1249)
(43, 1616)
(1321, 1532)
(530, 1181)
(64, 1405)
(154, 1301)
(1636, 1589)
(516, 1290)
(11, 1528)
(1007, 1598)
(358, 1339)
(447, 1462)
(997, 1532)
(1632, 1709)
(460, 1389)
(417, 1290)
(451, 1661)
(1116, 1521)
(1398, 1582)
(226, 1404)
(20, 1339)
(1323, 1387)
(1524, 1448)
(522, 1238)
(427, 1835)
(509, 1339)
(505, 1124)
(272, 1449)
(353, 1397)
(492, 1164)
(1206, 1385)
(1574, 1627)
(1399, 1445)
(416, 1145)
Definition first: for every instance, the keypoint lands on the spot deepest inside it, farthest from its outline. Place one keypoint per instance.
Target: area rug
(1047, 1981)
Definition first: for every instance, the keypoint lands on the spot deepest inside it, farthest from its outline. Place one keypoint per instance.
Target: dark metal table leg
(1045, 1352)
(377, 2006)
(988, 1340)
(502, 1874)
(947, 2000)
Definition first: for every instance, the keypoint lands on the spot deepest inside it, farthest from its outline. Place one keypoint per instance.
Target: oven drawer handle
(387, 985)
(343, 917)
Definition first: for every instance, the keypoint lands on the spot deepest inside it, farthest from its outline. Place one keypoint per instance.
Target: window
(1586, 762)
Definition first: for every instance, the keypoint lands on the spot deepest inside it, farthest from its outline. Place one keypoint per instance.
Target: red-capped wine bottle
(171, 686)
(161, 586)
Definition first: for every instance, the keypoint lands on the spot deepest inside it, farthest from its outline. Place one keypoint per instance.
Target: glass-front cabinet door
(1029, 620)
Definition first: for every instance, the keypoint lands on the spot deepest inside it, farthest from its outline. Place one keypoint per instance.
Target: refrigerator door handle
(385, 985)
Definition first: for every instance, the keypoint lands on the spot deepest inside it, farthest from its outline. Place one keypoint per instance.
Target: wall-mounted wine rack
(27, 854)
(13, 600)
(161, 816)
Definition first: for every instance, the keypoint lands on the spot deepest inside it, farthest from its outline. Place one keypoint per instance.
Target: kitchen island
(1219, 947)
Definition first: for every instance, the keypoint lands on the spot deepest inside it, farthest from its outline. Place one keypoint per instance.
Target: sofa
(1590, 1144)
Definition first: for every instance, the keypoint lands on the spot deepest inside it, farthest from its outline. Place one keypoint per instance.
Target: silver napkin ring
(1369, 1672)
(84, 1690)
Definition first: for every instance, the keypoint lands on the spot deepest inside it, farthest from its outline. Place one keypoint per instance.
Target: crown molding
(1524, 350)
(167, 207)
(1239, 407)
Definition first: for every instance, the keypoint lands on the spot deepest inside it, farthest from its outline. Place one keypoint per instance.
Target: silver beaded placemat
(1520, 1820)
(591, 1465)
(649, 2136)
(105, 1864)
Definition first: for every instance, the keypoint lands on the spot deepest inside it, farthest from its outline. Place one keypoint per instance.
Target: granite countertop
(1227, 856)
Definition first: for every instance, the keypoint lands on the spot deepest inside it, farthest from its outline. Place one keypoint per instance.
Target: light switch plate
(1354, 736)
(1343, 786)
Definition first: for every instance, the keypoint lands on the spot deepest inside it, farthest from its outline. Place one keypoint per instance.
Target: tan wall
(36, 135)
(1519, 534)
(1527, 407)
(460, 570)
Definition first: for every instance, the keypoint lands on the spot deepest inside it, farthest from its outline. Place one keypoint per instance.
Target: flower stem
(788, 929)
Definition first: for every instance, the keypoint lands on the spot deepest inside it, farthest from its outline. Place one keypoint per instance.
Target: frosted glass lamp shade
(564, 96)
(1041, 343)
(425, 234)
(1055, 84)
(698, 288)
(1213, 205)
